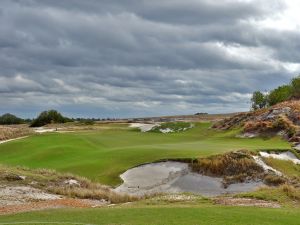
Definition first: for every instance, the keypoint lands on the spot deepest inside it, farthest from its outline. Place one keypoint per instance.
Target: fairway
(159, 215)
(103, 155)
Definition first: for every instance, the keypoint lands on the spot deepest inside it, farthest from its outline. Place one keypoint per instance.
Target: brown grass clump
(258, 126)
(9, 132)
(291, 191)
(228, 164)
(92, 193)
(293, 104)
(284, 123)
(232, 122)
(274, 180)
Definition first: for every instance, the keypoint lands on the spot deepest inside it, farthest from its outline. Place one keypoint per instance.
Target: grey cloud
(133, 58)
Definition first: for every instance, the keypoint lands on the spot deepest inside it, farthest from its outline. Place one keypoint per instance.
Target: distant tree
(47, 117)
(9, 119)
(258, 100)
(295, 85)
(88, 121)
(280, 94)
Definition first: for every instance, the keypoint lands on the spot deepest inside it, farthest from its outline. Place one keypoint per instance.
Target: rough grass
(274, 180)
(281, 123)
(54, 182)
(285, 194)
(102, 155)
(289, 169)
(9, 132)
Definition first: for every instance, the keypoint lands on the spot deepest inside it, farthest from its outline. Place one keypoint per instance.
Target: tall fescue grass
(9, 132)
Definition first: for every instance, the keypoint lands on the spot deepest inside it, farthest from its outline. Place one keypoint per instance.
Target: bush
(280, 94)
(295, 86)
(274, 180)
(47, 117)
(9, 119)
(88, 122)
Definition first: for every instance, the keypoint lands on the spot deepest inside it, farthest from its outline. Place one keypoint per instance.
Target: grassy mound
(233, 167)
(228, 164)
(282, 118)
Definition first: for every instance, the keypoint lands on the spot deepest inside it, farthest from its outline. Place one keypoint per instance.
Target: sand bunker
(266, 168)
(282, 156)
(144, 127)
(176, 177)
(44, 130)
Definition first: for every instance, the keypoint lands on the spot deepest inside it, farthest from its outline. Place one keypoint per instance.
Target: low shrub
(291, 191)
(274, 180)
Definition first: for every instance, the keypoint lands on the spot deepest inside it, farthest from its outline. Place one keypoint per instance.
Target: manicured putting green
(103, 155)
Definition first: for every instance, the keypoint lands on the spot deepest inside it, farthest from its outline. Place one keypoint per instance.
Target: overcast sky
(129, 58)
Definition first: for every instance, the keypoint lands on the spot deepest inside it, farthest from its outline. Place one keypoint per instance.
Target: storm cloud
(136, 58)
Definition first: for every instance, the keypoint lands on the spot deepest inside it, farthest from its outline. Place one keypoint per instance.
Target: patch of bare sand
(15, 199)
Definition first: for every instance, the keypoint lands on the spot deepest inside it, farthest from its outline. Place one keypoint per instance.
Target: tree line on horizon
(44, 118)
(282, 93)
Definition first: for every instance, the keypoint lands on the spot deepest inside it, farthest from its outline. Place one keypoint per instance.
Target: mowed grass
(160, 215)
(103, 155)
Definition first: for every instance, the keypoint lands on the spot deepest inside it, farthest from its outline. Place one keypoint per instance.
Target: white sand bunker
(266, 168)
(44, 130)
(175, 177)
(282, 155)
(144, 127)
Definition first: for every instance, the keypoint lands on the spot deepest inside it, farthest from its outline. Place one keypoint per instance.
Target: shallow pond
(176, 177)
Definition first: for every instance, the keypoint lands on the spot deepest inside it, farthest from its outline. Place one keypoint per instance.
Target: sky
(135, 58)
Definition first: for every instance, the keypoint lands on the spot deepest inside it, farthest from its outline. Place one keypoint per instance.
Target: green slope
(103, 155)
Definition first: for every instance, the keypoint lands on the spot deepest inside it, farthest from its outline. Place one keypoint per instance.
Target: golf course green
(203, 214)
(103, 154)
